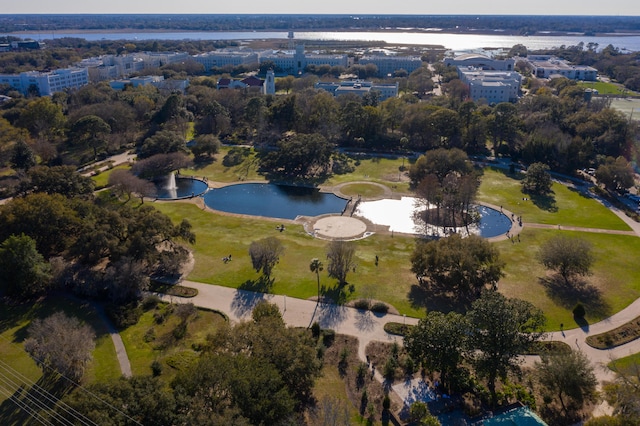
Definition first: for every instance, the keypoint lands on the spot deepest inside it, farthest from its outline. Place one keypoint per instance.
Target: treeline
(554, 124)
(455, 23)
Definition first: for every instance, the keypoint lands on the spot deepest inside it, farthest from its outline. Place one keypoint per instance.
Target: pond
(173, 188)
(289, 202)
(272, 200)
(398, 215)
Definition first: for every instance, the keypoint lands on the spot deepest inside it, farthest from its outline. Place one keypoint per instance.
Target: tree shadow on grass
(546, 202)
(249, 294)
(579, 191)
(577, 291)
(421, 297)
(21, 407)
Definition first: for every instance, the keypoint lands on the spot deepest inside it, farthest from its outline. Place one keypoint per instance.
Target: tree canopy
(61, 343)
(500, 330)
(567, 256)
(455, 265)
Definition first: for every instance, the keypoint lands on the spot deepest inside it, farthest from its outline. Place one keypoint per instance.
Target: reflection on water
(398, 215)
(271, 200)
(184, 187)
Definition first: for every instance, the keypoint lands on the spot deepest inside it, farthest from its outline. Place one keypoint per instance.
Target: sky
(365, 7)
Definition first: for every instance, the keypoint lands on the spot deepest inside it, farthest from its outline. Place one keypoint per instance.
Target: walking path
(121, 352)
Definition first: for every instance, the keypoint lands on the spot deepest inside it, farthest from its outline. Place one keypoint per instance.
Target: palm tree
(316, 266)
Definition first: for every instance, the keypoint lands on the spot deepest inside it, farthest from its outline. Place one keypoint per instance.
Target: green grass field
(567, 206)
(605, 88)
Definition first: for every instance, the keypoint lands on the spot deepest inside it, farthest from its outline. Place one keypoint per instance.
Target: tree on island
(446, 185)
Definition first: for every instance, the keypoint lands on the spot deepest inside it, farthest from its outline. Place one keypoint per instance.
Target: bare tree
(265, 254)
(61, 343)
(340, 259)
(125, 279)
(126, 183)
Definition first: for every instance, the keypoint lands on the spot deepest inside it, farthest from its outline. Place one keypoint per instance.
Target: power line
(47, 395)
(78, 386)
(32, 412)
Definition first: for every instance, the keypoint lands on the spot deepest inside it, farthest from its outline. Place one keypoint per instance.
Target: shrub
(380, 307)
(180, 331)
(361, 372)
(409, 366)
(150, 302)
(315, 330)
(150, 335)
(156, 368)
(397, 328)
(362, 304)
(579, 311)
(389, 369)
(124, 316)
(386, 403)
(328, 336)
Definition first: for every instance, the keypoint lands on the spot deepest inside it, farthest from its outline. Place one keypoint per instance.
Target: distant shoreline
(626, 33)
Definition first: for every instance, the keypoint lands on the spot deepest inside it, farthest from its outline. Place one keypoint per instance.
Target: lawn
(628, 365)
(220, 235)
(613, 285)
(101, 179)
(568, 207)
(605, 88)
(215, 170)
(14, 321)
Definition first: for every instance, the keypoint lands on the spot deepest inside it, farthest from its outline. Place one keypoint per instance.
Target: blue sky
(412, 7)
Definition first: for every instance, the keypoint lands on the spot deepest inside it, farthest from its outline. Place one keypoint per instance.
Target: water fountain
(173, 187)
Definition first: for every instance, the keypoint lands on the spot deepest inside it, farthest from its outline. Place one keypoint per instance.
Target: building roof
(472, 56)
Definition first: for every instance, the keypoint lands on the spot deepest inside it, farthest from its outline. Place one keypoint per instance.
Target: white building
(388, 65)
(547, 66)
(482, 62)
(112, 67)
(47, 83)
(223, 58)
(294, 63)
(136, 81)
(360, 88)
(493, 87)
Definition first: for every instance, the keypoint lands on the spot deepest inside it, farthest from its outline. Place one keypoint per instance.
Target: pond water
(398, 215)
(183, 188)
(272, 200)
(289, 202)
